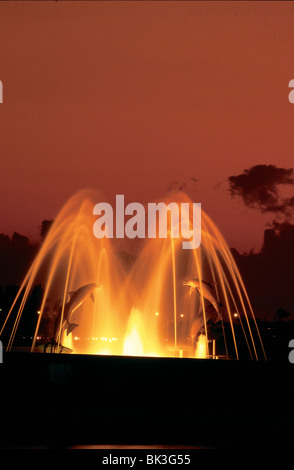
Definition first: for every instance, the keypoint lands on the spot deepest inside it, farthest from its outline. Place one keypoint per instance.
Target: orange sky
(127, 97)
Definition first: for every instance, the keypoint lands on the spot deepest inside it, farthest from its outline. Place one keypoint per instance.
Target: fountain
(141, 308)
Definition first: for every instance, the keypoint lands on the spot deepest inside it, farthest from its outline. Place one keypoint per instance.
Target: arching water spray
(142, 306)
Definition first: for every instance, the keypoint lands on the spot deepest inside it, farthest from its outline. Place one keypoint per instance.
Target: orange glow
(200, 352)
(122, 317)
(133, 344)
(138, 341)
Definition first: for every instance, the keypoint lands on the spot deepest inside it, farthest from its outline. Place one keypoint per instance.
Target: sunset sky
(137, 97)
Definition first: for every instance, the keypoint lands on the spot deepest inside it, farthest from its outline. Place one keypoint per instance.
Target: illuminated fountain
(94, 302)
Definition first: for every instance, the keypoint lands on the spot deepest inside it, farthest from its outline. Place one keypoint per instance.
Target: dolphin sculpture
(77, 298)
(207, 292)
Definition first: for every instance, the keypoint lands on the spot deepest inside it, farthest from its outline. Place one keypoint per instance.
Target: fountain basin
(65, 400)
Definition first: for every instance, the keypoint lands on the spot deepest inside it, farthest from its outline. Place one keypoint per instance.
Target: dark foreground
(75, 400)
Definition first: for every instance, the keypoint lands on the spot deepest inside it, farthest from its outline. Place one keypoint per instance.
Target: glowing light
(104, 352)
(70, 257)
(200, 352)
(133, 344)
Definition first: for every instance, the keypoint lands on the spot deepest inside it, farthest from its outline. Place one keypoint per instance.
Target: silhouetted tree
(269, 274)
(45, 227)
(16, 255)
(281, 313)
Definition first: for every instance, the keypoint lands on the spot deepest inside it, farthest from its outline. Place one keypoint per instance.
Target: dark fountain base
(67, 400)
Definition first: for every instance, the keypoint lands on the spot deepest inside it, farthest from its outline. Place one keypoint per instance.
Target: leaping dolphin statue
(76, 299)
(207, 292)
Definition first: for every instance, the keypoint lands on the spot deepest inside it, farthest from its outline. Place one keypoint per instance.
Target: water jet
(143, 308)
